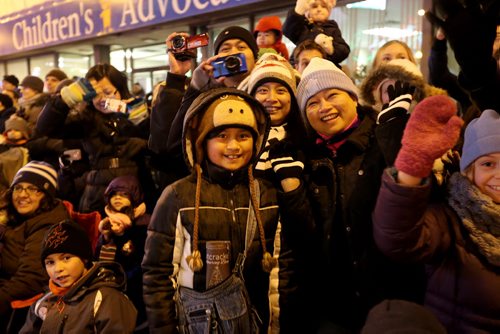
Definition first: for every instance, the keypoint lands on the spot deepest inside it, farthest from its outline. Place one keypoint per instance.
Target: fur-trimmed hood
(388, 71)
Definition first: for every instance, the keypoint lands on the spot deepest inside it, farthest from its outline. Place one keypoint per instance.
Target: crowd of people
(273, 196)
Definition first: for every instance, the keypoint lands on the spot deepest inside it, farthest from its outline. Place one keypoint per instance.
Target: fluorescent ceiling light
(368, 4)
(393, 33)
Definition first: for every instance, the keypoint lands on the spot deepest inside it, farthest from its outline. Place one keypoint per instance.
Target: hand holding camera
(229, 65)
(182, 45)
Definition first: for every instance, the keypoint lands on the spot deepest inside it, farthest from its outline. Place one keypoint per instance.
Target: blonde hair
(409, 52)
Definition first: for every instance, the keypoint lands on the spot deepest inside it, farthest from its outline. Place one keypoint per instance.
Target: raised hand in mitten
(433, 128)
(470, 31)
(81, 90)
(326, 43)
(281, 158)
(400, 96)
(301, 7)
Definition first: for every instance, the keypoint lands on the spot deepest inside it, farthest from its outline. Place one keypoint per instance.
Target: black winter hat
(69, 237)
(239, 33)
(12, 79)
(33, 82)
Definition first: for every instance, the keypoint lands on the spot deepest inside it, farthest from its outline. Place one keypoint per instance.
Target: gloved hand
(78, 91)
(326, 42)
(284, 165)
(469, 30)
(400, 97)
(433, 128)
(301, 7)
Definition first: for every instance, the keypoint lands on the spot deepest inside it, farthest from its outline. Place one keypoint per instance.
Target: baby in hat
(310, 19)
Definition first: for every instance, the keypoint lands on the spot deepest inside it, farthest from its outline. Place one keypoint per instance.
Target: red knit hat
(269, 23)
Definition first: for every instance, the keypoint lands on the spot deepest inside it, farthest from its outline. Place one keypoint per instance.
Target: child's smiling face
(119, 200)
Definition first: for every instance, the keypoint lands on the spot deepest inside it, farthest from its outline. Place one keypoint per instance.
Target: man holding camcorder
(235, 54)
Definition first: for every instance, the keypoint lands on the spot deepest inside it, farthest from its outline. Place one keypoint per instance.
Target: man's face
(51, 84)
(234, 46)
(305, 57)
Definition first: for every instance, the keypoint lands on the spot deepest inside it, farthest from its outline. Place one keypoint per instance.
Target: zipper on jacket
(63, 322)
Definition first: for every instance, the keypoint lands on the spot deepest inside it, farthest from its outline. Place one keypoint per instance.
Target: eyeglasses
(30, 190)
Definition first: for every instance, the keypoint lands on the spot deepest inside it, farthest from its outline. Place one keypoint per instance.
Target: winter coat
(114, 145)
(95, 304)
(167, 161)
(298, 29)
(4, 116)
(30, 109)
(22, 275)
(130, 245)
(351, 275)
(462, 289)
(223, 213)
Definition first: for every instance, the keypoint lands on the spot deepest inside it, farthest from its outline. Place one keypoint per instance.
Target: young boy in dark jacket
(84, 297)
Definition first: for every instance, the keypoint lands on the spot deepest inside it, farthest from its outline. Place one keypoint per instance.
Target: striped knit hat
(271, 68)
(40, 174)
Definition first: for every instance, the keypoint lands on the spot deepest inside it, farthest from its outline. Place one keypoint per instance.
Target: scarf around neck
(334, 142)
(479, 215)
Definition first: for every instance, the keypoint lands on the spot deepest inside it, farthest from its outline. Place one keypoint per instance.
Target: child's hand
(301, 7)
(326, 42)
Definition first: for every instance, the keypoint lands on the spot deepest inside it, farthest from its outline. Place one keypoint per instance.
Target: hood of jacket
(387, 71)
(198, 108)
(101, 274)
(127, 184)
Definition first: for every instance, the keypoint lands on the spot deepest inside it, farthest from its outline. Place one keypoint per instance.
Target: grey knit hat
(482, 136)
(18, 123)
(319, 75)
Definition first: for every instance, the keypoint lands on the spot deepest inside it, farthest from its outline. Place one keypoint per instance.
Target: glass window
(150, 56)
(117, 59)
(144, 79)
(366, 26)
(41, 65)
(159, 76)
(18, 67)
(74, 65)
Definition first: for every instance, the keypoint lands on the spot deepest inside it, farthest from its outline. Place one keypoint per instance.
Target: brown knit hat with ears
(215, 110)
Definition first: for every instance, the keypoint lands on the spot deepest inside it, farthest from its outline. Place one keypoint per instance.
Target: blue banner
(64, 21)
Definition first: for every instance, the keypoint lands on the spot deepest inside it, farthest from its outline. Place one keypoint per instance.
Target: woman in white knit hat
(344, 161)
(33, 209)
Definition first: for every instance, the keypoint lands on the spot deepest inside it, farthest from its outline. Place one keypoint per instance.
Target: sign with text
(63, 21)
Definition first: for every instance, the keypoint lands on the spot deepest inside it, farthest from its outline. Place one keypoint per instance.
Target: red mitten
(433, 128)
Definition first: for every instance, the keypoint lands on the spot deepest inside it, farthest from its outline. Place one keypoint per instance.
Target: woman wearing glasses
(32, 208)
(113, 133)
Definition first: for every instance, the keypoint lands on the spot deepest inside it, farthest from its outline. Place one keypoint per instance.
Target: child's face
(390, 52)
(276, 99)
(231, 149)
(486, 175)
(318, 12)
(266, 38)
(119, 201)
(64, 269)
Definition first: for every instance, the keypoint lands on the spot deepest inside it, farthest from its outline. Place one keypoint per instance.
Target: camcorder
(229, 65)
(183, 47)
